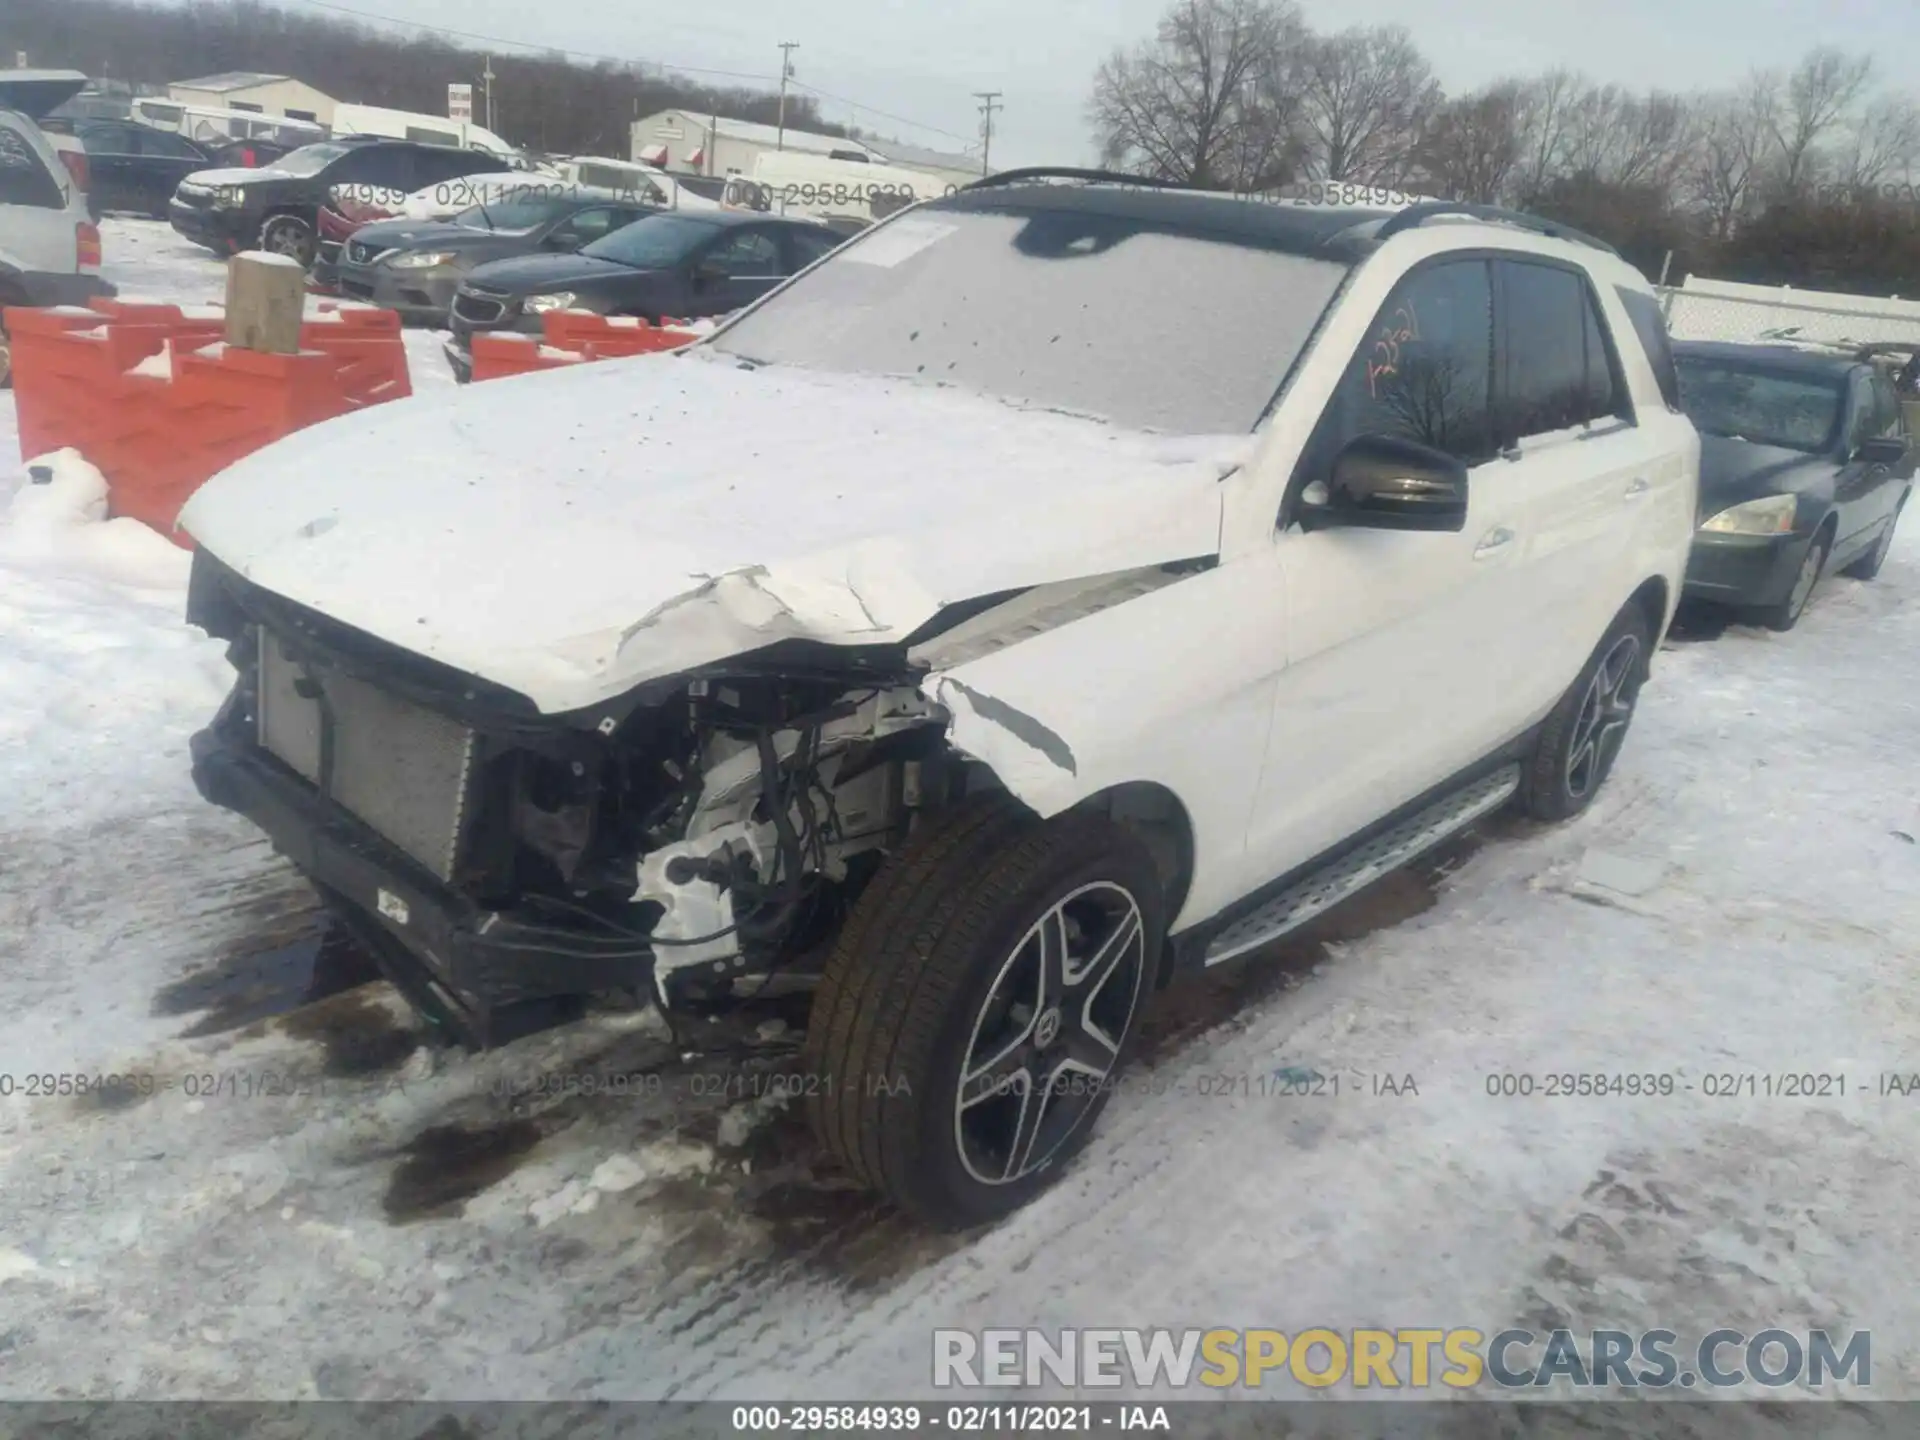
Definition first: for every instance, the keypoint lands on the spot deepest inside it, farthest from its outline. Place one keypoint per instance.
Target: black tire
(1784, 614)
(292, 236)
(1563, 775)
(928, 973)
(1868, 565)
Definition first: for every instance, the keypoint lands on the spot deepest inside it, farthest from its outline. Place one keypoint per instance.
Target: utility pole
(487, 77)
(787, 47)
(989, 102)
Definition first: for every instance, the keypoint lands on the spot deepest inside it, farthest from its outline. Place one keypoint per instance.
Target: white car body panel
(40, 238)
(1301, 688)
(581, 566)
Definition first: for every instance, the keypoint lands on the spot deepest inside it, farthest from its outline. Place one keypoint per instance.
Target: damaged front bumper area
(485, 976)
(675, 847)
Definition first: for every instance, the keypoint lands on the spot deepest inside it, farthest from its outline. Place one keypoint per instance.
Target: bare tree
(1196, 103)
(1542, 119)
(1823, 88)
(1882, 144)
(1734, 147)
(1470, 146)
(1367, 94)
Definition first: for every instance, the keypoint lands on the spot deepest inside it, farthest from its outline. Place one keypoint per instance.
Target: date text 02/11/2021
(953, 1419)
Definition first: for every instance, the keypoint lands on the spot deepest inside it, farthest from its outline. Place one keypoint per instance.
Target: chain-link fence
(1723, 310)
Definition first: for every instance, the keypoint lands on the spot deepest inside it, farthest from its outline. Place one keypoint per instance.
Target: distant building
(276, 95)
(707, 145)
(956, 169)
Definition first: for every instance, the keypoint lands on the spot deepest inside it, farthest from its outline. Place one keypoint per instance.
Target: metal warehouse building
(713, 145)
(274, 95)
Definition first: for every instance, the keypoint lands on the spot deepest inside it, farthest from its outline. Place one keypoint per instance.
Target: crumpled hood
(572, 533)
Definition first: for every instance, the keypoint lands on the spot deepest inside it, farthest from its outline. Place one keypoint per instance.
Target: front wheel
(978, 1005)
(1582, 737)
(288, 235)
(1868, 565)
(1786, 614)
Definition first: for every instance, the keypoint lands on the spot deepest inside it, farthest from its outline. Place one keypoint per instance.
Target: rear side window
(24, 180)
(1886, 406)
(809, 247)
(1651, 326)
(1557, 370)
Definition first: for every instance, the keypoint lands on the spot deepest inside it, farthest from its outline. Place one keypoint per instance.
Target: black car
(136, 167)
(675, 265)
(1805, 463)
(276, 207)
(415, 266)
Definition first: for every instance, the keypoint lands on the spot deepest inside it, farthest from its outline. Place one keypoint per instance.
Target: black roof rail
(1067, 172)
(1416, 215)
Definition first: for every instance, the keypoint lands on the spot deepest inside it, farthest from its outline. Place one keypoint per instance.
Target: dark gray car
(1805, 465)
(416, 266)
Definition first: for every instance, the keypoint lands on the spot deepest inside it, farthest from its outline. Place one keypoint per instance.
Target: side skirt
(1292, 900)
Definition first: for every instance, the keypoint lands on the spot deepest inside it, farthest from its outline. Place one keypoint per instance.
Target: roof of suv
(1296, 228)
(1294, 225)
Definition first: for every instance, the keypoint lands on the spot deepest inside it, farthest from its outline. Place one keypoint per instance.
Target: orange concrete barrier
(159, 404)
(569, 337)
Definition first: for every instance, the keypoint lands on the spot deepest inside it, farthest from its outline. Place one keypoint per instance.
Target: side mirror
(1381, 482)
(1882, 450)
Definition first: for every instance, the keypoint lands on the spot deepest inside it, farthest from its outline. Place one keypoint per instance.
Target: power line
(989, 102)
(787, 47)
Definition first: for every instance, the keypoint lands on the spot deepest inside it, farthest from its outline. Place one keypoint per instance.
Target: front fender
(1173, 687)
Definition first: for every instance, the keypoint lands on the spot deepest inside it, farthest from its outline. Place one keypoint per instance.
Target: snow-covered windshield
(1099, 314)
(1764, 407)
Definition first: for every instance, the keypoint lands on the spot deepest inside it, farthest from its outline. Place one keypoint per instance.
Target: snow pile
(56, 513)
(97, 666)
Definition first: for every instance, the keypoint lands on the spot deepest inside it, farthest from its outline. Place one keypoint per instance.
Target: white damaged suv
(1063, 587)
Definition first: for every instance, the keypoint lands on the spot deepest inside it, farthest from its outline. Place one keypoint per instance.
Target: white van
(789, 182)
(412, 125)
(211, 125)
(627, 177)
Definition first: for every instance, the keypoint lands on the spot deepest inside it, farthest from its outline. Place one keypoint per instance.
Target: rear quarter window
(1651, 327)
(24, 179)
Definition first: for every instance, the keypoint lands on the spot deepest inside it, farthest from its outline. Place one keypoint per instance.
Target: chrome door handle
(1493, 542)
(1638, 488)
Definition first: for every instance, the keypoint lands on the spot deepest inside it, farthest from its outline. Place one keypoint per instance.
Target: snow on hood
(573, 533)
(237, 175)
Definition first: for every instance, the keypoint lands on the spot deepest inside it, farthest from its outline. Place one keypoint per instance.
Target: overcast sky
(921, 62)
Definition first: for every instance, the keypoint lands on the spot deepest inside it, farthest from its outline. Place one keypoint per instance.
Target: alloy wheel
(1049, 1033)
(1604, 712)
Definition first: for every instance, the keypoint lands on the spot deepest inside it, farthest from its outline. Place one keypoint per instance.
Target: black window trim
(1627, 296)
(1485, 256)
(1623, 395)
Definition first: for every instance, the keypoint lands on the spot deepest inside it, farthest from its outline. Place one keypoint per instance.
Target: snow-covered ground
(410, 1223)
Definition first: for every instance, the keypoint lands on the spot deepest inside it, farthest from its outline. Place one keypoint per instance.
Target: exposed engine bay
(687, 844)
(737, 826)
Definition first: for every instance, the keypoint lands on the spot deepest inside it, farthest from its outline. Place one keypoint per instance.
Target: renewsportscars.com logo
(1416, 1359)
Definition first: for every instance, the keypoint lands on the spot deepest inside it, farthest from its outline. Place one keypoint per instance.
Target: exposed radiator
(405, 771)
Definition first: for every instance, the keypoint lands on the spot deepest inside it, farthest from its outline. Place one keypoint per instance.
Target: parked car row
(1805, 468)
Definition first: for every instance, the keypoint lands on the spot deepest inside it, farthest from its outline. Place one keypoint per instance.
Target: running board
(1321, 890)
